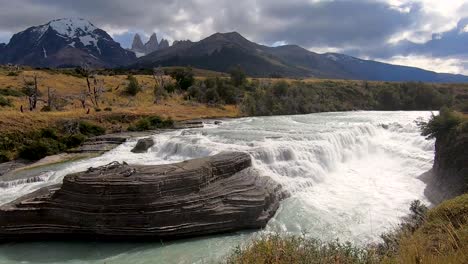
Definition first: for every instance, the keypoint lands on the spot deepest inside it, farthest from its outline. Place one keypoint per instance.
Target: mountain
(63, 43)
(152, 45)
(222, 51)
(137, 45)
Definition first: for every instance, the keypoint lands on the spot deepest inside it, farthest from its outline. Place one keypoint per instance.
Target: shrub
(48, 133)
(440, 125)
(150, 123)
(238, 76)
(4, 156)
(184, 78)
(40, 148)
(46, 108)
(5, 101)
(133, 87)
(108, 109)
(89, 129)
(169, 87)
(10, 92)
(12, 74)
(74, 140)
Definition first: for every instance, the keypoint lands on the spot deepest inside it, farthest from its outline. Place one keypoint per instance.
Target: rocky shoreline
(217, 194)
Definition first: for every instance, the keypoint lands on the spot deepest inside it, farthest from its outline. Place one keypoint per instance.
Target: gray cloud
(360, 27)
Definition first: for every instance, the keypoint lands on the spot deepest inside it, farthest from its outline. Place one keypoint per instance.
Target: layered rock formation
(118, 201)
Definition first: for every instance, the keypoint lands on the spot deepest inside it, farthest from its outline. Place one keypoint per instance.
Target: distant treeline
(258, 97)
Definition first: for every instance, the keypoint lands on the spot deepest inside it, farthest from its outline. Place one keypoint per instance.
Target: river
(351, 175)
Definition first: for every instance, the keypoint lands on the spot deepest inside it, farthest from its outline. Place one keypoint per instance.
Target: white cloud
(445, 65)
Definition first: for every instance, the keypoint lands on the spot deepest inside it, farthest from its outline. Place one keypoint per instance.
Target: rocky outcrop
(119, 201)
(143, 145)
(164, 44)
(137, 44)
(449, 175)
(152, 44)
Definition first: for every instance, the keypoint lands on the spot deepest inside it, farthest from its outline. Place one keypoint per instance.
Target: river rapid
(351, 175)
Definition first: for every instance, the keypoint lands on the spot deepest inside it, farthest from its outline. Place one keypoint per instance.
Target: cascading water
(352, 176)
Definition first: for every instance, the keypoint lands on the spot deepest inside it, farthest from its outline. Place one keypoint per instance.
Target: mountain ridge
(222, 51)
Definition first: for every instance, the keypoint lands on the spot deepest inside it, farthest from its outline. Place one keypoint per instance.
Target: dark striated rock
(118, 201)
(143, 145)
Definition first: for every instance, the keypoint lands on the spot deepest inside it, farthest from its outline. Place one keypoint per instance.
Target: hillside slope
(222, 51)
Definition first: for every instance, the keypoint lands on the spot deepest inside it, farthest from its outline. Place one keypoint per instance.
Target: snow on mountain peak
(70, 27)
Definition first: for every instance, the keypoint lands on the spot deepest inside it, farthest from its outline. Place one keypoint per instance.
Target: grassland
(122, 107)
(441, 237)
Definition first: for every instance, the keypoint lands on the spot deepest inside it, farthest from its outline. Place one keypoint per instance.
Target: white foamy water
(352, 176)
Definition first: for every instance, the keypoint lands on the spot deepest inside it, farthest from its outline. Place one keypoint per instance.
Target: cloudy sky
(431, 34)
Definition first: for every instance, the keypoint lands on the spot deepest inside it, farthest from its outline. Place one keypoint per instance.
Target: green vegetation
(133, 87)
(47, 141)
(184, 78)
(151, 123)
(441, 125)
(11, 92)
(4, 101)
(308, 97)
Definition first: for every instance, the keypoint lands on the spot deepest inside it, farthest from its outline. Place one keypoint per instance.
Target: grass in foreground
(442, 237)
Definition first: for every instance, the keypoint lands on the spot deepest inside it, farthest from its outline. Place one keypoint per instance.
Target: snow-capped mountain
(65, 42)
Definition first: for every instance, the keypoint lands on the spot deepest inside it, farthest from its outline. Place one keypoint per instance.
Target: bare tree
(95, 88)
(82, 98)
(32, 91)
(158, 75)
(51, 98)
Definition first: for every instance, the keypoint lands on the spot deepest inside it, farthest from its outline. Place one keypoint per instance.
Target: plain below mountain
(63, 43)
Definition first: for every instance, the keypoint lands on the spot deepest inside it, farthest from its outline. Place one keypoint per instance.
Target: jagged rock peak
(164, 44)
(137, 44)
(152, 44)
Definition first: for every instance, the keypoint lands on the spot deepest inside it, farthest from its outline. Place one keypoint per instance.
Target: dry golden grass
(443, 238)
(69, 87)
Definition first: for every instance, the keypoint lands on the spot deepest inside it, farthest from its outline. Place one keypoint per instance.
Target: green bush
(40, 148)
(10, 92)
(238, 76)
(5, 101)
(441, 125)
(151, 123)
(75, 140)
(48, 133)
(12, 74)
(4, 156)
(89, 129)
(133, 87)
(183, 77)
